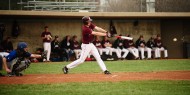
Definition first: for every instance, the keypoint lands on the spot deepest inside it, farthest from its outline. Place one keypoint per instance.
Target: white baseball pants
(77, 53)
(101, 50)
(142, 49)
(134, 51)
(162, 49)
(47, 46)
(86, 49)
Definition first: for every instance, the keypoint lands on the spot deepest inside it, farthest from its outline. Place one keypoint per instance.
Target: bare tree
(172, 5)
(126, 5)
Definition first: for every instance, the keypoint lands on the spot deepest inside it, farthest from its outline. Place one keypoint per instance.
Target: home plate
(114, 76)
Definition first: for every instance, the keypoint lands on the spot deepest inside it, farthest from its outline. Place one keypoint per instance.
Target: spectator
(66, 44)
(160, 47)
(47, 37)
(129, 44)
(141, 44)
(7, 45)
(118, 44)
(151, 45)
(76, 47)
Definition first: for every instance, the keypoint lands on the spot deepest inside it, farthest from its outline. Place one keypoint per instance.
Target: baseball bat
(124, 37)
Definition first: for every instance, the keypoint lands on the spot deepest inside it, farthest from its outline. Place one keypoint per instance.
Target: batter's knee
(80, 60)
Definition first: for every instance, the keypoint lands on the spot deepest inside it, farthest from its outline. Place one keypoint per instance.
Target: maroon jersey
(43, 35)
(76, 45)
(158, 43)
(97, 44)
(105, 42)
(87, 36)
(128, 43)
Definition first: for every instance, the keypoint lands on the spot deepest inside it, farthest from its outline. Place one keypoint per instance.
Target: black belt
(87, 43)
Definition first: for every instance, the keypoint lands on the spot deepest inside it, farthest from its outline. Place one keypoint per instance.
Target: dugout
(169, 25)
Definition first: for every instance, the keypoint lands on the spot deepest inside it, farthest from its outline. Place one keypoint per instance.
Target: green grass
(153, 87)
(113, 66)
(102, 88)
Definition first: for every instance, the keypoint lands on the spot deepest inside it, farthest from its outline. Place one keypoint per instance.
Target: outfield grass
(113, 66)
(101, 88)
(153, 87)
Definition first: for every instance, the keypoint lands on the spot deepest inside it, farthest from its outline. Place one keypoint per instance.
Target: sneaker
(1, 75)
(107, 72)
(10, 74)
(18, 74)
(136, 58)
(110, 59)
(65, 70)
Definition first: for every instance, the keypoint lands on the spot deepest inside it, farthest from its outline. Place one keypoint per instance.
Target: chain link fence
(98, 5)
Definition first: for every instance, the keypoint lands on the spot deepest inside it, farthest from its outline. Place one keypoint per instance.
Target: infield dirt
(95, 77)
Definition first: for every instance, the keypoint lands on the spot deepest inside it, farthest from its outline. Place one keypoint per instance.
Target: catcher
(18, 60)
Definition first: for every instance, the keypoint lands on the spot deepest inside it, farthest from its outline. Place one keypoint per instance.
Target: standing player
(88, 32)
(46, 36)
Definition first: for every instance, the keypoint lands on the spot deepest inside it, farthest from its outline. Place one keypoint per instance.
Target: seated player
(151, 45)
(76, 47)
(118, 44)
(98, 45)
(141, 45)
(129, 44)
(160, 47)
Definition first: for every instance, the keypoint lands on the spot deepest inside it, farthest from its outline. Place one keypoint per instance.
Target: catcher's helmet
(21, 45)
(86, 18)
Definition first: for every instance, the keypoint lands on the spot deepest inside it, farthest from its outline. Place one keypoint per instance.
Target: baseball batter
(89, 30)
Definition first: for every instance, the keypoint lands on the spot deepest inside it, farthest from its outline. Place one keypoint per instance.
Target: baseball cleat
(107, 72)
(65, 70)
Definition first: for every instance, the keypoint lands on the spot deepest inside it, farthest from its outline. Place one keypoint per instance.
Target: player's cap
(141, 36)
(129, 35)
(46, 27)
(21, 45)
(86, 18)
(158, 35)
(56, 36)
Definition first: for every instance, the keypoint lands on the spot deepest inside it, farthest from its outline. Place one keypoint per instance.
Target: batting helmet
(21, 45)
(86, 18)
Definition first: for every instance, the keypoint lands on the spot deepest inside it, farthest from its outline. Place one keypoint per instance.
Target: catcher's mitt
(44, 54)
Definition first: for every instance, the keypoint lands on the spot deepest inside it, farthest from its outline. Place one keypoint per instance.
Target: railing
(98, 5)
(60, 6)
